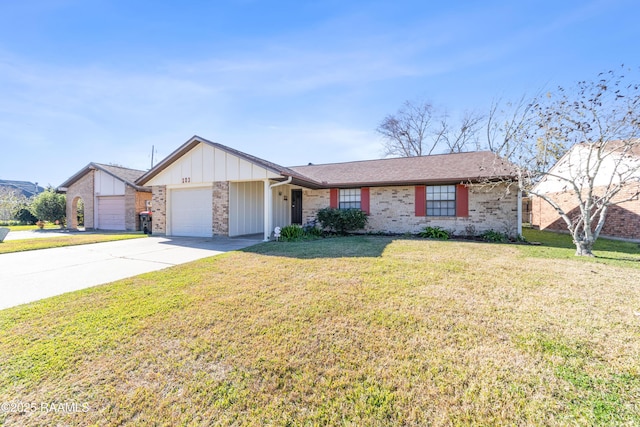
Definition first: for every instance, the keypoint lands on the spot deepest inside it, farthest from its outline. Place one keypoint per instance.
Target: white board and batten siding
(109, 192)
(205, 164)
(189, 181)
(108, 185)
(246, 208)
(281, 205)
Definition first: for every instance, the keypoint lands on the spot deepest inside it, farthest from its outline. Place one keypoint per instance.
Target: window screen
(349, 198)
(441, 200)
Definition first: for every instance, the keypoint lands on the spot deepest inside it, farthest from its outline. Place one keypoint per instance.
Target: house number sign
(186, 180)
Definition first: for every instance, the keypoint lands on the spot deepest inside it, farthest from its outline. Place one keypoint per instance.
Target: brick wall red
(623, 221)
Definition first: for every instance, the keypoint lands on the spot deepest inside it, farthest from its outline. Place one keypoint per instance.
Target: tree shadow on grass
(333, 247)
(604, 249)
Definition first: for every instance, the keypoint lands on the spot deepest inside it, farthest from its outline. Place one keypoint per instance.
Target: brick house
(622, 221)
(112, 199)
(205, 189)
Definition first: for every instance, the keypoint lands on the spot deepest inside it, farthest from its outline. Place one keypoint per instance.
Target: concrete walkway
(33, 275)
(37, 234)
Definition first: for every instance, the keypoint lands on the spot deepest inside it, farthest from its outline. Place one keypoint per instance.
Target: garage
(110, 213)
(191, 212)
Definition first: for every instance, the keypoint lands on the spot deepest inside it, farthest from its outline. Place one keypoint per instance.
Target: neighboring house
(11, 191)
(205, 189)
(26, 188)
(622, 221)
(112, 200)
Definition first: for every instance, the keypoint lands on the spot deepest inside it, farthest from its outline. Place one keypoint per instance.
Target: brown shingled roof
(127, 175)
(445, 168)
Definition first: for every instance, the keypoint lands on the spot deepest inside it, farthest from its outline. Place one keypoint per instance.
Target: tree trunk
(583, 247)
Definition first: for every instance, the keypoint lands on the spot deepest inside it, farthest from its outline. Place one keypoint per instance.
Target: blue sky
(289, 81)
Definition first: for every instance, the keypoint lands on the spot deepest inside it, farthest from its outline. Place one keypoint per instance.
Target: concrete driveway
(33, 275)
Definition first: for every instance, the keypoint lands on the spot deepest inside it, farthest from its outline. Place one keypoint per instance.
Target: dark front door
(296, 207)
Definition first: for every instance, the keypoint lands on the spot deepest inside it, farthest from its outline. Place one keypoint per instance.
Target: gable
(108, 185)
(205, 163)
(110, 176)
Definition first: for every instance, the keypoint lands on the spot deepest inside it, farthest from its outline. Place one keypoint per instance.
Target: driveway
(33, 275)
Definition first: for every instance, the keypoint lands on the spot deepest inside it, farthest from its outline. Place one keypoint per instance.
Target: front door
(296, 207)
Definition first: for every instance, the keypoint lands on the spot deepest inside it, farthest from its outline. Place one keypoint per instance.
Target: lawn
(63, 240)
(560, 246)
(351, 331)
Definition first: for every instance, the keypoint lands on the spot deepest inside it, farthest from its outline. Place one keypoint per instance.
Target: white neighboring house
(610, 170)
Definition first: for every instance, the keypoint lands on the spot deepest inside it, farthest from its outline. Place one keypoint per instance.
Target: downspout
(519, 213)
(268, 211)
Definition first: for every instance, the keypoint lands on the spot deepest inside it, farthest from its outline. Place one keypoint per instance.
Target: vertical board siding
(246, 208)
(107, 185)
(197, 164)
(208, 162)
(281, 208)
(204, 164)
(220, 165)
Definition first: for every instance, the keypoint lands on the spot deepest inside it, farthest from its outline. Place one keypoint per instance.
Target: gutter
(268, 211)
(277, 184)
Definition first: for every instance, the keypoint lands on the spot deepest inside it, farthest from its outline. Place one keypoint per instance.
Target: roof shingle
(457, 167)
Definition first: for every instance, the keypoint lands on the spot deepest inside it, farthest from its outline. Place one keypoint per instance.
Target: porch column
(519, 213)
(268, 220)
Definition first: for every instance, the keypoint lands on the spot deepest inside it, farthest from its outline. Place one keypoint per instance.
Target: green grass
(21, 245)
(347, 331)
(560, 246)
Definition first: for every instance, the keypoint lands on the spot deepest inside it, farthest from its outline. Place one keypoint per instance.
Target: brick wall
(141, 200)
(312, 202)
(392, 210)
(221, 208)
(135, 202)
(159, 209)
(130, 215)
(82, 188)
(623, 221)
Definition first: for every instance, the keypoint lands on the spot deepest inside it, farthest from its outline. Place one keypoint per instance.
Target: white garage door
(192, 212)
(111, 213)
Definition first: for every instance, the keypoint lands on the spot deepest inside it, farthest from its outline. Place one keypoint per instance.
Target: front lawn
(63, 240)
(350, 331)
(560, 246)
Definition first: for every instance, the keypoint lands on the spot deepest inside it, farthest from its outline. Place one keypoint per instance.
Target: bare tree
(459, 138)
(10, 201)
(419, 129)
(581, 143)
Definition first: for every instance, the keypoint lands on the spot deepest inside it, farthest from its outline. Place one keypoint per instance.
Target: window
(349, 198)
(441, 200)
